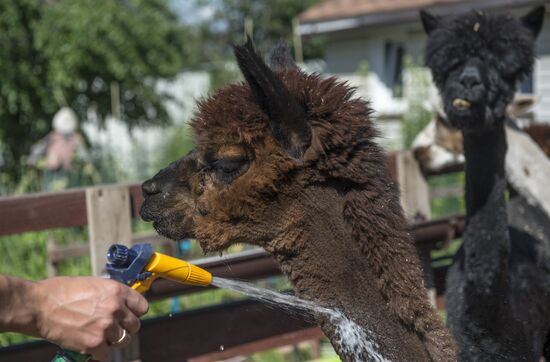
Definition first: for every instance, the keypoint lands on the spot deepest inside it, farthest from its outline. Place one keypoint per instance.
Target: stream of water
(355, 341)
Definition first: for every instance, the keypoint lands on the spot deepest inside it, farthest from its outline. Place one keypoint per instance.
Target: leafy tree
(80, 54)
(26, 101)
(417, 90)
(271, 21)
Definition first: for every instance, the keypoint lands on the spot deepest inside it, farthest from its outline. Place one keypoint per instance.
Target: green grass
(301, 352)
(328, 359)
(443, 257)
(443, 207)
(451, 205)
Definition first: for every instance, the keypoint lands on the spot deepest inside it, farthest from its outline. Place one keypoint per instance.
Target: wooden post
(528, 169)
(415, 199)
(415, 193)
(109, 222)
(315, 348)
(248, 28)
(297, 41)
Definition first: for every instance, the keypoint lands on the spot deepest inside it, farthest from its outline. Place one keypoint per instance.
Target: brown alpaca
(288, 161)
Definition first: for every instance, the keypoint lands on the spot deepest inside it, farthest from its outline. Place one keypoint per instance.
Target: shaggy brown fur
(288, 161)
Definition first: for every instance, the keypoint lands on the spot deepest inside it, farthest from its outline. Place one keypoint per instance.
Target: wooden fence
(206, 334)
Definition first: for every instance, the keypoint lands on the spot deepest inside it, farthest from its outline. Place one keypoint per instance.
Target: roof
(337, 9)
(338, 15)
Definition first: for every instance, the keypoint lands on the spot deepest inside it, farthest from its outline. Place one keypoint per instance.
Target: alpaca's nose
(163, 181)
(150, 187)
(470, 77)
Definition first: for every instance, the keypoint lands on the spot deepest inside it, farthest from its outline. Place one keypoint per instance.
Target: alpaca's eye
(226, 170)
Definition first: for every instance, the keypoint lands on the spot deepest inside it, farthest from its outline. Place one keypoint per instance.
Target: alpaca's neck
(331, 269)
(485, 154)
(486, 240)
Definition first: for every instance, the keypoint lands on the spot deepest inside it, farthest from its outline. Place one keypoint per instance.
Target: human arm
(78, 313)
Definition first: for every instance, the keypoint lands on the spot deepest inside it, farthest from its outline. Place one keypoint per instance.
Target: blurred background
(128, 73)
(100, 92)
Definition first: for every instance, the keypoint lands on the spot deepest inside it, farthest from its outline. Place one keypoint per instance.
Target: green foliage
(271, 22)
(26, 102)
(417, 85)
(328, 359)
(91, 44)
(363, 68)
(267, 356)
(180, 140)
(207, 298)
(296, 353)
(226, 74)
(77, 53)
(414, 120)
(452, 205)
(24, 255)
(444, 256)
(442, 207)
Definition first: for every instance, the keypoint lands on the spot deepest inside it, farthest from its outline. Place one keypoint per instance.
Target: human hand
(86, 314)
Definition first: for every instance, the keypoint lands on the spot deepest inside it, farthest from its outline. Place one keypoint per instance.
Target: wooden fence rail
(44, 211)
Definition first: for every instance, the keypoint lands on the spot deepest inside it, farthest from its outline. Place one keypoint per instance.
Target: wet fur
(498, 294)
(324, 205)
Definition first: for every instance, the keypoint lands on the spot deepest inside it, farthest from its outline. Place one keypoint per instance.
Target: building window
(527, 85)
(394, 55)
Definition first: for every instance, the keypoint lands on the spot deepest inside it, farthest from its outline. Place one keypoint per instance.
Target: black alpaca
(498, 289)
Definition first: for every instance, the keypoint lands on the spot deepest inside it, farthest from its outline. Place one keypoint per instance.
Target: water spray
(139, 266)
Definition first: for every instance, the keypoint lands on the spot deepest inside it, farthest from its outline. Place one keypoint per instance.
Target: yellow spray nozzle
(167, 267)
(139, 266)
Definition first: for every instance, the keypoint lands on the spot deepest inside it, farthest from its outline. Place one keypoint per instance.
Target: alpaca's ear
(287, 117)
(533, 20)
(280, 58)
(429, 21)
